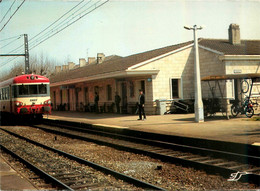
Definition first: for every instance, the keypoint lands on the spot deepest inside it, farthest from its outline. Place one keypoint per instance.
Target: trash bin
(161, 107)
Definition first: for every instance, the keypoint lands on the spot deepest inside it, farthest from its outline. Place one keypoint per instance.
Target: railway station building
(166, 75)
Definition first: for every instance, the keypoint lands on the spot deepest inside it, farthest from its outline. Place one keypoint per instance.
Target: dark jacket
(96, 98)
(141, 99)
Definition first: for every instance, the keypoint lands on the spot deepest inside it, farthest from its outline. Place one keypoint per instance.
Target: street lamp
(198, 105)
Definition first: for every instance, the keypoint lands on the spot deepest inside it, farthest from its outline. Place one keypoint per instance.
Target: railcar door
(11, 99)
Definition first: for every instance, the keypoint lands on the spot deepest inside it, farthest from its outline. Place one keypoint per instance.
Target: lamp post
(198, 105)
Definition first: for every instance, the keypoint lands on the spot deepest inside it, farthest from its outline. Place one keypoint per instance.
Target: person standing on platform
(96, 101)
(141, 102)
(117, 101)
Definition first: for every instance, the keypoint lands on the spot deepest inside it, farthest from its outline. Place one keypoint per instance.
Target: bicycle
(246, 108)
(244, 86)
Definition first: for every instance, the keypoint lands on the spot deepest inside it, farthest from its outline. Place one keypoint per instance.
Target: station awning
(255, 76)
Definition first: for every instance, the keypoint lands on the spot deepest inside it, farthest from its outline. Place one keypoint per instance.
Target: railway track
(64, 170)
(231, 165)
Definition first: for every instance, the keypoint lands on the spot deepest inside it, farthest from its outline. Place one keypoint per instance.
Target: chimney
(234, 34)
(65, 67)
(82, 62)
(57, 69)
(100, 58)
(91, 60)
(71, 65)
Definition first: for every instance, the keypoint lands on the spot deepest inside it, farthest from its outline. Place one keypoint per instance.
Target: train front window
(33, 89)
(28, 90)
(42, 89)
(23, 90)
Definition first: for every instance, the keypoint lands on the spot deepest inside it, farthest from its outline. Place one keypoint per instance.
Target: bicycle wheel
(234, 110)
(249, 112)
(244, 86)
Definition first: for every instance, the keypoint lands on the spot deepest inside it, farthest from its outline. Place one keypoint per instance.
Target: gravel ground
(27, 173)
(165, 175)
(78, 175)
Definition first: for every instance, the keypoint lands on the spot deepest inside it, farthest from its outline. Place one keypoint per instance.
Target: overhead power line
(61, 24)
(50, 31)
(12, 16)
(57, 20)
(8, 11)
(10, 38)
(11, 42)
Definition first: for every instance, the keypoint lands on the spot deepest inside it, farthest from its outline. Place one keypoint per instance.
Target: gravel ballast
(162, 174)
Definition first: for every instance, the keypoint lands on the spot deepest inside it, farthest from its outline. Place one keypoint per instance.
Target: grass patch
(254, 118)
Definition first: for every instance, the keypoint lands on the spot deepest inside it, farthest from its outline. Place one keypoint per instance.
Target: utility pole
(26, 54)
(198, 105)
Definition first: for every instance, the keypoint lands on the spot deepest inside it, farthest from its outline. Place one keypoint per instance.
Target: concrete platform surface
(240, 130)
(11, 180)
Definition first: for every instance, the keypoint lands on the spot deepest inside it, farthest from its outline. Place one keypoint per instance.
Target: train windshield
(30, 90)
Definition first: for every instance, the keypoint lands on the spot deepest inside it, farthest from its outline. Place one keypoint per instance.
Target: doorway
(68, 104)
(124, 97)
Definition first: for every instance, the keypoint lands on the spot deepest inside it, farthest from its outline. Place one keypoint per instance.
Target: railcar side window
(33, 89)
(42, 89)
(7, 93)
(1, 94)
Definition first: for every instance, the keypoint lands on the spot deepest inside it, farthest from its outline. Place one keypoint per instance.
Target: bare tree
(39, 64)
(42, 65)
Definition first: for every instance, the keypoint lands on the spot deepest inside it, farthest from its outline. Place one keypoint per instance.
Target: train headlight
(32, 77)
(47, 102)
(18, 104)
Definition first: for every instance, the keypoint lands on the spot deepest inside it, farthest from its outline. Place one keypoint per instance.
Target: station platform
(238, 130)
(11, 180)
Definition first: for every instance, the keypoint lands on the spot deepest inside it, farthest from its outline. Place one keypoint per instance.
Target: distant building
(164, 74)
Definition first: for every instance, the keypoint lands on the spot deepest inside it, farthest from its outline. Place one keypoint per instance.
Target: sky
(121, 27)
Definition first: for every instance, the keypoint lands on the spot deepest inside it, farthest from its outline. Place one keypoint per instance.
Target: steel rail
(38, 171)
(225, 172)
(163, 143)
(106, 170)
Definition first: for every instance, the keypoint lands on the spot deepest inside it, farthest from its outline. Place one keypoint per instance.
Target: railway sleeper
(79, 182)
(81, 186)
(199, 158)
(69, 175)
(240, 167)
(254, 170)
(212, 161)
(227, 164)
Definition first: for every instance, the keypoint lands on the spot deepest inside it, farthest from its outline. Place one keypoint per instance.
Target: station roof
(115, 64)
(246, 47)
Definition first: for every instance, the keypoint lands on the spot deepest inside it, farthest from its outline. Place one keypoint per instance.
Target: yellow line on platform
(256, 144)
(113, 126)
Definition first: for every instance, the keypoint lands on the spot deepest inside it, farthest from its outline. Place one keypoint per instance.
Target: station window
(109, 92)
(175, 88)
(143, 86)
(132, 90)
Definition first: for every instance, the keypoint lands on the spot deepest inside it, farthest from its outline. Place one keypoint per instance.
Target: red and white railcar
(27, 94)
